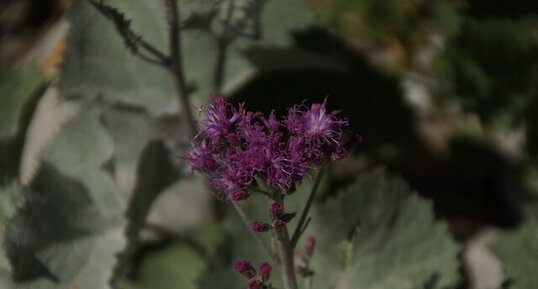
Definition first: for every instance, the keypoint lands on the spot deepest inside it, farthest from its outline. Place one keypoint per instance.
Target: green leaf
(17, 88)
(181, 262)
(97, 64)
(391, 239)
(155, 173)
(518, 251)
(21, 91)
(375, 234)
(70, 225)
(177, 266)
(7, 208)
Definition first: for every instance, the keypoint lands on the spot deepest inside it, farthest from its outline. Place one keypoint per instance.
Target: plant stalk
(176, 64)
(260, 241)
(301, 224)
(287, 258)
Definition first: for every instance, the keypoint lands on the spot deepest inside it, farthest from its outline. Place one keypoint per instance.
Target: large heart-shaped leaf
(378, 234)
(70, 225)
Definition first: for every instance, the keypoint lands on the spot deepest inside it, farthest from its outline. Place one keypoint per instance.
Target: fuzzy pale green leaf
(70, 225)
(98, 65)
(378, 234)
(518, 251)
(177, 266)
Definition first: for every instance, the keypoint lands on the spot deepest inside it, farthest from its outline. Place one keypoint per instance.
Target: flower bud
(310, 246)
(244, 268)
(265, 271)
(258, 226)
(278, 225)
(277, 209)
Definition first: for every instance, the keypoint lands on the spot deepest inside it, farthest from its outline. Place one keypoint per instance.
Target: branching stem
(287, 257)
(301, 224)
(223, 41)
(260, 241)
(176, 64)
(135, 42)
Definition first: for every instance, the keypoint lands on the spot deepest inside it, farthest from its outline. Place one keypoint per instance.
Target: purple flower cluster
(256, 279)
(235, 145)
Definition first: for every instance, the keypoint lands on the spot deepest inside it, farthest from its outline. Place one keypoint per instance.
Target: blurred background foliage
(94, 193)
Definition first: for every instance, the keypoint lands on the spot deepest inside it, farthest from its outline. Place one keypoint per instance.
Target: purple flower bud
(277, 209)
(200, 157)
(258, 226)
(265, 271)
(254, 284)
(278, 225)
(244, 268)
(287, 217)
(310, 246)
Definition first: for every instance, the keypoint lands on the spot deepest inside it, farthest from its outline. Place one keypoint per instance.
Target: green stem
(301, 224)
(260, 241)
(288, 264)
(176, 64)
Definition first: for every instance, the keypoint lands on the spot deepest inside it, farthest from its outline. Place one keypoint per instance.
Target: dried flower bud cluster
(278, 216)
(235, 145)
(256, 279)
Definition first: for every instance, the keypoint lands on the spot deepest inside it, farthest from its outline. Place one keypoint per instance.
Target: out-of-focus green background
(94, 192)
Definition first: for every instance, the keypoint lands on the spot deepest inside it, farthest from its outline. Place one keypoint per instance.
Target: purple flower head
(265, 271)
(271, 122)
(277, 209)
(254, 284)
(216, 121)
(234, 146)
(310, 246)
(200, 157)
(323, 125)
(244, 268)
(258, 226)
